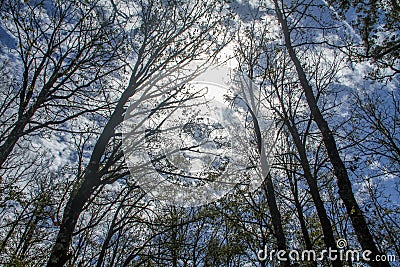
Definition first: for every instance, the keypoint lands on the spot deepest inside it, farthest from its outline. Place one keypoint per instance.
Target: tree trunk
(344, 185)
(7, 147)
(326, 225)
(275, 217)
(299, 210)
(60, 252)
(91, 180)
(270, 191)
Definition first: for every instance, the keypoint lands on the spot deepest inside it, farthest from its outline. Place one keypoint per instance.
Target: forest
(215, 133)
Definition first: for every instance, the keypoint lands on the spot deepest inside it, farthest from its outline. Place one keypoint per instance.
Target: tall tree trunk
(25, 114)
(344, 185)
(270, 191)
(303, 226)
(276, 217)
(326, 225)
(9, 144)
(60, 252)
(91, 180)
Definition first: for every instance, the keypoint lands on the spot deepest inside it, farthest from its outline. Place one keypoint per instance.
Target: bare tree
(344, 184)
(248, 56)
(63, 52)
(288, 100)
(375, 34)
(164, 29)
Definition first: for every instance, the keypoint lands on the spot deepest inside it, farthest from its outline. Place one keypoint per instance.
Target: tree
(158, 43)
(375, 26)
(345, 188)
(288, 101)
(61, 63)
(100, 124)
(248, 93)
